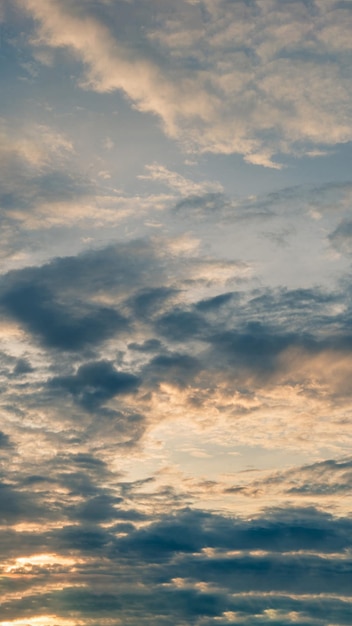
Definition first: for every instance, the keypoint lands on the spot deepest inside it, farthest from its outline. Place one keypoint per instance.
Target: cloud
(206, 205)
(313, 201)
(96, 510)
(34, 160)
(180, 369)
(17, 507)
(145, 345)
(213, 304)
(175, 407)
(55, 325)
(4, 441)
(223, 78)
(95, 383)
(341, 237)
(33, 146)
(322, 480)
(148, 302)
(79, 301)
(181, 325)
(181, 185)
(204, 567)
(134, 318)
(23, 366)
(46, 191)
(57, 301)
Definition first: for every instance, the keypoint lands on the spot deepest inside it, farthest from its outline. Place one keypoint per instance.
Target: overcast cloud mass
(175, 312)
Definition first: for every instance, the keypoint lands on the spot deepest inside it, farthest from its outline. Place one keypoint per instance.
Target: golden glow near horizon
(27, 563)
(44, 620)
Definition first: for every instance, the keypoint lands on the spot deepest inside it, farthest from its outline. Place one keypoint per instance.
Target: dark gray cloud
(181, 325)
(341, 238)
(213, 304)
(17, 506)
(11, 504)
(174, 366)
(257, 347)
(95, 383)
(255, 343)
(55, 304)
(95, 510)
(22, 367)
(191, 531)
(5, 441)
(57, 326)
(115, 268)
(149, 302)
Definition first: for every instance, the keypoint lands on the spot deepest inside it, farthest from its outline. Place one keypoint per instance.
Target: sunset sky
(176, 312)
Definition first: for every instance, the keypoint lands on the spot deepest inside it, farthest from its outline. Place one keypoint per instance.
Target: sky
(175, 312)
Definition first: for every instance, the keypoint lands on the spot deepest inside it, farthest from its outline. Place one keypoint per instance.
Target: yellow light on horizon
(40, 560)
(43, 620)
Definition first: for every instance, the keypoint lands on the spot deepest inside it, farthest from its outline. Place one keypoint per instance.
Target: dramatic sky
(175, 312)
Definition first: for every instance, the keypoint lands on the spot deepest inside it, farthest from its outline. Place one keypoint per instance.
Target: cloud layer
(254, 78)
